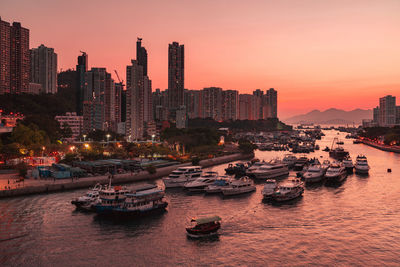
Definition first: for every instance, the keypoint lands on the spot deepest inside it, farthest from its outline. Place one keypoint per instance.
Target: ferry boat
(138, 203)
(289, 160)
(89, 199)
(361, 166)
(218, 185)
(348, 164)
(269, 189)
(204, 227)
(241, 186)
(336, 172)
(315, 173)
(292, 189)
(110, 197)
(182, 175)
(271, 171)
(199, 184)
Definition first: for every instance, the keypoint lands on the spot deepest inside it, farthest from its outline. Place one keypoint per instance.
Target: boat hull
(289, 196)
(313, 179)
(269, 175)
(232, 192)
(120, 212)
(336, 178)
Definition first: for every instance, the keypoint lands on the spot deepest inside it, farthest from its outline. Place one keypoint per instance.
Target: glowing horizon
(317, 54)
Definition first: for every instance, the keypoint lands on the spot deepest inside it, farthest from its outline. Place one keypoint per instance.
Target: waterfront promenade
(38, 186)
(395, 149)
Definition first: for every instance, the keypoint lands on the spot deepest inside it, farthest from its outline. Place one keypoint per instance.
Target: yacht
(141, 202)
(201, 183)
(254, 167)
(289, 160)
(90, 198)
(218, 185)
(241, 186)
(269, 189)
(182, 175)
(289, 190)
(361, 166)
(300, 163)
(315, 173)
(336, 172)
(271, 171)
(348, 164)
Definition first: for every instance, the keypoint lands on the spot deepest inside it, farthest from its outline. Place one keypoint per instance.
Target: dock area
(39, 186)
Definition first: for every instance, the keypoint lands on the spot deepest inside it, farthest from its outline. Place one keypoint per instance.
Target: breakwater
(49, 186)
(394, 149)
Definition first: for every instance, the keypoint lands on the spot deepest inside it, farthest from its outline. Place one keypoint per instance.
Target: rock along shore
(49, 186)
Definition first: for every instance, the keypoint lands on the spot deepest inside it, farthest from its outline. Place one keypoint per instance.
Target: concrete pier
(48, 186)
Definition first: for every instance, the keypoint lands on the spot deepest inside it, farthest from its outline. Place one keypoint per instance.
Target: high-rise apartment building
(99, 101)
(14, 58)
(246, 111)
(44, 68)
(212, 103)
(175, 76)
(81, 69)
(230, 105)
(272, 102)
(387, 111)
(141, 55)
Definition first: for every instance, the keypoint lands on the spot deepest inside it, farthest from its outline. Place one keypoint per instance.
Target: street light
(84, 137)
(152, 137)
(108, 137)
(129, 138)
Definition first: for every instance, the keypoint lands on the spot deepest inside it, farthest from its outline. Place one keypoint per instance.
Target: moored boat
(201, 183)
(289, 190)
(300, 163)
(289, 160)
(269, 189)
(241, 186)
(315, 173)
(182, 175)
(348, 164)
(361, 166)
(218, 185)
(271, 171)
(336, 172)
(204, 227)
(87, 201)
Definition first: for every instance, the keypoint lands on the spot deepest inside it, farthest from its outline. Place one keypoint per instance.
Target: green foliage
(28, 135)
(66, 131)
(390, 134)
(22, 169)
(10, 151)
(151, 169)
(246, 147)
(69, 158)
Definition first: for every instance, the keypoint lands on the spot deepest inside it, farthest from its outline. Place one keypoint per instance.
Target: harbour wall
(49, 186)
(382, 147)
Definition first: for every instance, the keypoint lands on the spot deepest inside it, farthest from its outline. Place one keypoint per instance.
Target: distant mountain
(332, 116)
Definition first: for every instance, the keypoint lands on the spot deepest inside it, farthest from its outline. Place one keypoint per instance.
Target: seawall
(382, 147)
(49, 186)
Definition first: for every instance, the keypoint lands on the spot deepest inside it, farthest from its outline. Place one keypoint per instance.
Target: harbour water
(356, 223)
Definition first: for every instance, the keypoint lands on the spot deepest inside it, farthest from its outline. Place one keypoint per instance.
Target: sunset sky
(317, 54)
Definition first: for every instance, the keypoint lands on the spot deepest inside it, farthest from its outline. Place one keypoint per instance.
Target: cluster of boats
(122, 201)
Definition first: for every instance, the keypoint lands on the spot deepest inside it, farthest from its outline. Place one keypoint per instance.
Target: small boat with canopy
(204, 227)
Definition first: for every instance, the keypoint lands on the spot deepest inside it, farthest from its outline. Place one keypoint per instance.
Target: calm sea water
(357, 223)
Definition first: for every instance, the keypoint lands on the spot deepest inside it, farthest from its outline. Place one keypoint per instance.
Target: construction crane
(121, 82)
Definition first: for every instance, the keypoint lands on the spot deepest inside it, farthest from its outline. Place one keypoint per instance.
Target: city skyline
(346, 52)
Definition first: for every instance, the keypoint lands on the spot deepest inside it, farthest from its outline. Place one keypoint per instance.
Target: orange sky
(318, 54)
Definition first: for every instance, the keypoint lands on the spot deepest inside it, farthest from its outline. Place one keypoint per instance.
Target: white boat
(315, 173)
(271, 171)
(89, 199)
(208, 178)
(218, 185)
(325, 164)
(361, 166)
(336, 172)
(289, 160)
(289, 190)
(182, 175)
(269, 189)
(241, 186)
(254, 167)
(110, 197)
(348, 164)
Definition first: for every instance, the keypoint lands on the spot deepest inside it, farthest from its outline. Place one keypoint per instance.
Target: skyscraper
(141, 55)
(44, 68)
(387, 111)
(81, 69)
(272, 102)
(175, 76)
(14, 58)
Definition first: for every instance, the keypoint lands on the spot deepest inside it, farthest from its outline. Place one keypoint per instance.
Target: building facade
(176, 81)
(44, 68)
(74, 122)
(81, 69)
(14, 58)
(387, 111)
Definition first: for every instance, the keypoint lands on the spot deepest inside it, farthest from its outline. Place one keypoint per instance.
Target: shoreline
(381, 147)
(66, 184)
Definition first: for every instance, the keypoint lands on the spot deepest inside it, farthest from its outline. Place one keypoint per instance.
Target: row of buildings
(23, 70)
(387, 114)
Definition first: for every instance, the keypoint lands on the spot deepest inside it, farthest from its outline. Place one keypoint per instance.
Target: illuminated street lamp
(87, 146)
(129, 138)
(108, 137)
(84, 137)
(152, 137)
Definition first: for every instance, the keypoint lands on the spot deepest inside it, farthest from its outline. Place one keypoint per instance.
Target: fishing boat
(218, 185)
(182, 175)
(289, 190)
(204, 227)
(142, 202)
(336, 172)
(269, 189)
(361, 166)
(89, 199)
(199, 184)
(241, 186)
(337, 152)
